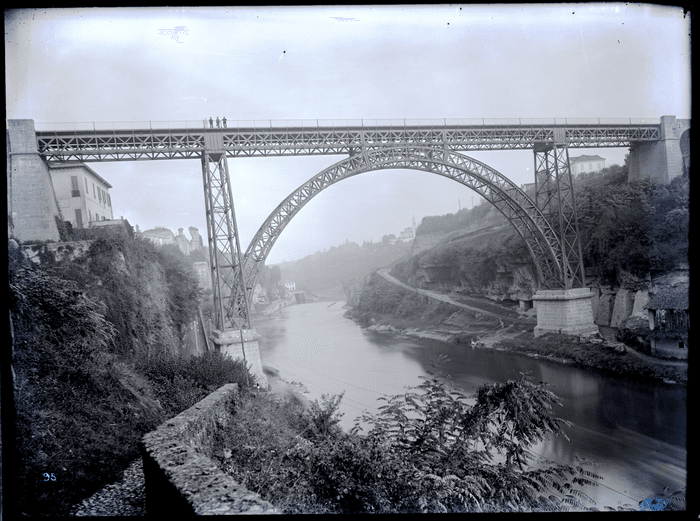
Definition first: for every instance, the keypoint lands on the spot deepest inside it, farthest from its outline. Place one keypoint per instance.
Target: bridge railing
(119, 126)
(199, 125)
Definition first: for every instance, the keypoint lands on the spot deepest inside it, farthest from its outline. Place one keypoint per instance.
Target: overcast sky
(523, 61)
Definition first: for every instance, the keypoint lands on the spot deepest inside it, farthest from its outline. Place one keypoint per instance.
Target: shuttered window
(74, 190)
(78, 218)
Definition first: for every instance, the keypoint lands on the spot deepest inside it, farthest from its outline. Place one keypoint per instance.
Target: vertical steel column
(230, 299)
(554, 196)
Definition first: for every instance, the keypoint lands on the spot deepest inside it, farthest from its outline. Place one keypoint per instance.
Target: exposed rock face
(622, 310)
(478, 252)
(491, 262)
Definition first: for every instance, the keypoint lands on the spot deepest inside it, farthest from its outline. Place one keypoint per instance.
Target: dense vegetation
(96, 365)
(432, 449)
(625, 228)
(632, 227)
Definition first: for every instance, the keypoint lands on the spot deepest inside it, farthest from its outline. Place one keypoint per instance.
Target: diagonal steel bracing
(230, 304)
(554, 195)
(144, 141)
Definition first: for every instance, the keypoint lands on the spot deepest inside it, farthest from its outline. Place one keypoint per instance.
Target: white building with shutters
(586, 164)
(82, 195)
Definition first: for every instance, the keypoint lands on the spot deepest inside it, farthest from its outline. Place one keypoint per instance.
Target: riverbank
(294, 391)
(596, 353)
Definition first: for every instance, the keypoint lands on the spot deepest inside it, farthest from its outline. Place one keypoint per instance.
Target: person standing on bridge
(218, 122)
(224, 121)
(211, 123)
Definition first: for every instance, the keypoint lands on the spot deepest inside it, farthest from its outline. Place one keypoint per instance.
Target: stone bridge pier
(665, 159)
(243, 344)
(565, 311)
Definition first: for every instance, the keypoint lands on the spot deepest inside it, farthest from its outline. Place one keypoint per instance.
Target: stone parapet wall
(60, 251)
(181, 479)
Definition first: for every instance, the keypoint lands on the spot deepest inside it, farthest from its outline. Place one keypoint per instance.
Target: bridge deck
(178, 140)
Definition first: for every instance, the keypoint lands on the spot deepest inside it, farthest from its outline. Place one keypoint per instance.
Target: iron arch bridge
(519, 209)
(547, 223)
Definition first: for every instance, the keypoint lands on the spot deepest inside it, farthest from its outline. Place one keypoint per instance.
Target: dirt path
(504, 317)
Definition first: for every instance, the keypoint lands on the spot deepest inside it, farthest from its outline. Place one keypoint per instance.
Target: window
(89, 215)
(74, 190)
(78, 218)
(94, 191)
(681, 344)
(99, 194)
(87, 188)
(109, 200)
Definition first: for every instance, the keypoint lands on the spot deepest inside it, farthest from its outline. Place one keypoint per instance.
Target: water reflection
(636, 431)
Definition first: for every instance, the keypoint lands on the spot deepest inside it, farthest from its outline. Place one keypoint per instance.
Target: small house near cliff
(669, 320)
(82, 195)
(586, 164)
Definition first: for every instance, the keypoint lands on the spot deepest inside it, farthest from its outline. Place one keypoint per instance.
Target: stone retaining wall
(612, 307)
(181, 479)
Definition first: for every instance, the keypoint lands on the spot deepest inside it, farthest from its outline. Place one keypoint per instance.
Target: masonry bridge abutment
(547, 222)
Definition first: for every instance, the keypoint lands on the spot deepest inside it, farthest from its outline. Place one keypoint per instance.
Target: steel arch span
(520, 210)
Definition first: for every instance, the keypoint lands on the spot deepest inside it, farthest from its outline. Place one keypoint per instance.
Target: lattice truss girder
(554, 195)
(540, 238)
(231, 305)
(149, 143)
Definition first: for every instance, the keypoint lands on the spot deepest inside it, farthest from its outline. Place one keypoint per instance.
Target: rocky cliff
(484, 256)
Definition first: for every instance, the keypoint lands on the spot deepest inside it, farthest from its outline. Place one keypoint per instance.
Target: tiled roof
(674, 297)
(586, 158)
(57, 166)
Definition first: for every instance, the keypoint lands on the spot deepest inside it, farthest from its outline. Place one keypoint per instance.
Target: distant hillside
(627, 230)
(327, 273)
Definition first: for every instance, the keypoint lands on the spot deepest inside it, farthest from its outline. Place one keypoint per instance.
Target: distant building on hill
(586, 164)
(407, 234)
(161, 235)
(291, 286)
(81, 193)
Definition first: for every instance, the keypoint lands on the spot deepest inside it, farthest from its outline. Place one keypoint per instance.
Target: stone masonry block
(622, 310)
(641, 299)
(181, 479)
(605, 306)
(565, 312)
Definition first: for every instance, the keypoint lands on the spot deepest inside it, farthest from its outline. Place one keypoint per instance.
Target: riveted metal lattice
(145, 141)
(554, 195)
(520, 210)
(230, 304)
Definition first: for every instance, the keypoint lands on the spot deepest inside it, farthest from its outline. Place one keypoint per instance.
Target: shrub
(427, 450)
(74, 420)
(179, 382)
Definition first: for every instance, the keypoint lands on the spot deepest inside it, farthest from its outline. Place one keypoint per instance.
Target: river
(635, 431)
